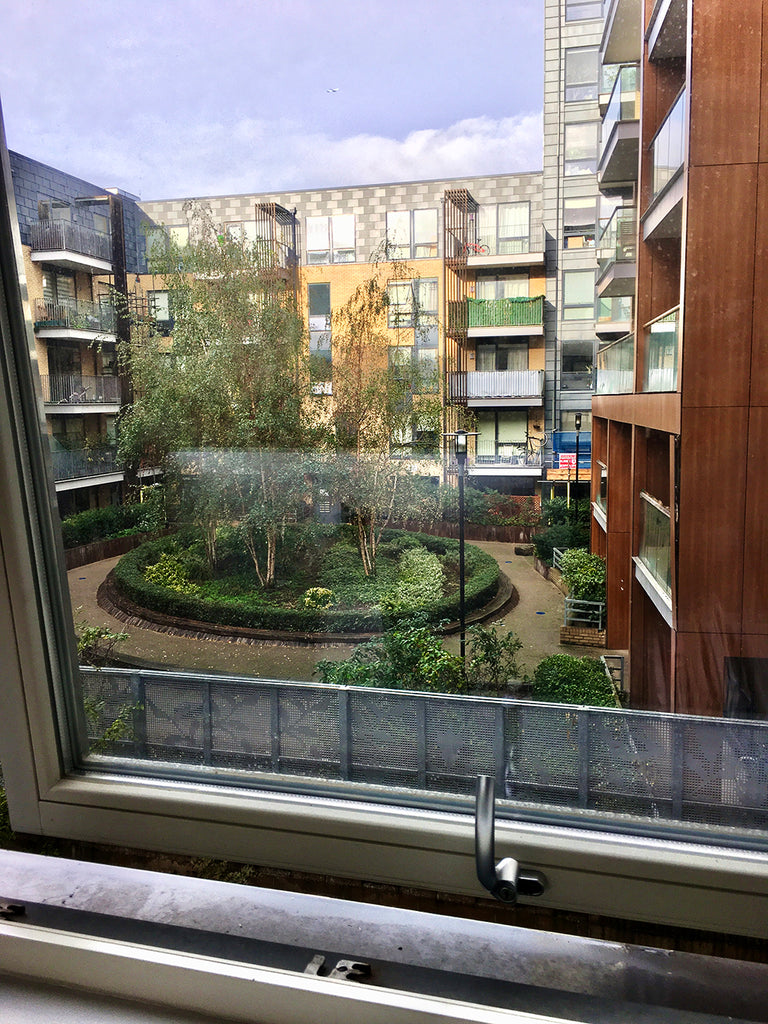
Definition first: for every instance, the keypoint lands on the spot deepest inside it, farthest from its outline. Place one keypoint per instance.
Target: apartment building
(466, 303)
(79, 241)
(679, 418)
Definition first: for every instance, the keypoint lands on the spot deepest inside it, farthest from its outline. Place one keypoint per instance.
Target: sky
(209, 97)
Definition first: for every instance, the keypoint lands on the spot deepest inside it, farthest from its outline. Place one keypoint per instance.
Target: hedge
(101, 524)
(128, 575)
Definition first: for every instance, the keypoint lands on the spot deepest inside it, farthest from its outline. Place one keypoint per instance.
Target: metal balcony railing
(616, 367)
(504, 453)
(80, 463)
(76, 389)
(492, 384)
(505, 312)
(75, 315)
(62, 236)
(400, 747)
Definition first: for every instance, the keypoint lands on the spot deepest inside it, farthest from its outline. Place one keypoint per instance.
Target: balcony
(81, 466)
(493, 251)
(506, 388)
(618, 163)
(613, 316)
(617, 255)
(75, 319)
(663, 218)
(616, 368)
(667, 30)
(504, 458)
(505, 317)
(653, 563)
(576, 380)
(661, 352)
(622, 32)
(71, 246)
(71, 392)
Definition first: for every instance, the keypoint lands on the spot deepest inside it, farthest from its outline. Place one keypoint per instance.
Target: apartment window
(577, 362)
(578, 223)
(581, 74)
(412, 234)
(331, 239)
(59, 288)
(500, 356)
(583, 10)
(412, 303)
(159, 305)
(581, 141)
(511, 286)
(578, 295)
(319, 305)
(504, 228)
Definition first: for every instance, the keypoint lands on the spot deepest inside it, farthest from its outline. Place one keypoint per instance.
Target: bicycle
(476, 249)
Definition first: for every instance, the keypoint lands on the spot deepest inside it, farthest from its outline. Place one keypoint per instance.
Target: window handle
(503, 880)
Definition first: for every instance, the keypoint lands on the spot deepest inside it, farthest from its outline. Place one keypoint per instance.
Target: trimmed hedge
(102, 524)
(481, 586)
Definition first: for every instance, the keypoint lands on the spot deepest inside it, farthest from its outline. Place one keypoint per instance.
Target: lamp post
(461, 460)
(577, 421)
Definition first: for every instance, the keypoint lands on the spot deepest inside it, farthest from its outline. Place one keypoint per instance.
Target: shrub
(493, 659)
(583, 574)
(317, 597)
(169, 571)
(563, 536)
(563, 679)
(421, 581)
(101, 524)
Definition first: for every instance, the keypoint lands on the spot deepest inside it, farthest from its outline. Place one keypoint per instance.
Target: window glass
(412, 234)
(424, 233)
(318, 240)
(581, 148)
(578, 222)
(578, 294)
(343, 229)
(399, 233)
(581, 73)
(581, 10)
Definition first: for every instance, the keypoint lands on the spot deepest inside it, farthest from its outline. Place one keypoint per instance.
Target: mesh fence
(702, 771)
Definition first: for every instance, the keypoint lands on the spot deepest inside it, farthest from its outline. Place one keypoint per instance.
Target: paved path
(536, 619)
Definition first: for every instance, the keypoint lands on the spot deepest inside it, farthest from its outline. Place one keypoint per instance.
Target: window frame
(575, 167)
(333, 253)
(598, 872)
(408, 249)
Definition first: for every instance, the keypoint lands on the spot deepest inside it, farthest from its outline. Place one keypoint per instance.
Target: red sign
(568, 461)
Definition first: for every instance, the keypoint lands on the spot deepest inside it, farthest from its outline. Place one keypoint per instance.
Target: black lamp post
(461, 459)
(577, 421)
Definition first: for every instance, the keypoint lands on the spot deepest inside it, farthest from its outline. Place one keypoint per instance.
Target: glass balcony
(661, 352)
(75, 389)
(668, 146)
(505, 312)
(75, 315)
(505, 453)
(616, 367)
(617, 252)
(613, 314)
(624, 102)
(655, 543)
(81, 463)
(60, 236)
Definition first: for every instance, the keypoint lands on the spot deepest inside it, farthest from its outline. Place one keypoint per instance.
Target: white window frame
(589, 871)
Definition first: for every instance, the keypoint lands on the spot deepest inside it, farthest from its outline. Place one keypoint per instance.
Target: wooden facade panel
(717, 329)
(755, 533)
(759, 377)
(711, 520)
(700, 671)
(650, 655)
(725, 91)
(619, 569)
(620, 477)
(657, 412)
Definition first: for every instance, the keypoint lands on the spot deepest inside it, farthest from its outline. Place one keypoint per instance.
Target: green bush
(169, 571)
(561, 535)
(493, 661)
(421, 581)
(563, 679)
(583, 574)
(115, 520)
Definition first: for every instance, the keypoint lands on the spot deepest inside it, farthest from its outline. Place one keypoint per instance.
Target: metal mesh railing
(689, 774)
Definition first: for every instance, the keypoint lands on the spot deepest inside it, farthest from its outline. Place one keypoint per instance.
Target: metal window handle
(503, 880)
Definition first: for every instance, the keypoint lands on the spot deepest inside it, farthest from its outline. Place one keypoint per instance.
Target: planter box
(582, 636)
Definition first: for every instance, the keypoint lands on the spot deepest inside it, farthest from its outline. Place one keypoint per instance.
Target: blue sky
(204, 97)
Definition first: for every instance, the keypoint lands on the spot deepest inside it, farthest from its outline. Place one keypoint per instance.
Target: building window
(412, 234)
(159, 306)
(578, 295)
(577, 361)
(581, 74)
(495, 356)
(504, 228)
(581, 142)
(511, 286)
(319, 305)
(331, 239)
(583, 10)
(412, 304)
(578, 223)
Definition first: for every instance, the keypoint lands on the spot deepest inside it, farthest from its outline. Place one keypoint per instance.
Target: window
(511, 286)
(331, 239)
(578, 359)
(499, 356)
(578, 223)
(504, 228)
(159, 305)
(319, 307)
(581, 142)
(412, 303)
(581, 74)
(582, 10)
(412, 234)
(578, 294)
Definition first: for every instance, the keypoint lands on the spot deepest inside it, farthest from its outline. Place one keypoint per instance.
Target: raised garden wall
(582, 636)
(98, 550)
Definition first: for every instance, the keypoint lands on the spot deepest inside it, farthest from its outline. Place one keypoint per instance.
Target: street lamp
(461, 460)
(577, 421)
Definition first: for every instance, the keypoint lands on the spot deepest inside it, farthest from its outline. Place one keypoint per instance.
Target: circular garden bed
(320, 587)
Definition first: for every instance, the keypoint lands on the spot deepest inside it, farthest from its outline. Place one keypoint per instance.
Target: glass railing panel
(624, 102)
(616, 367)
(76, 389)
(78, 315)
(618, 239)
(608, 75)
(616, 309)
(655, 544)
(668, 147)
(661, 353)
